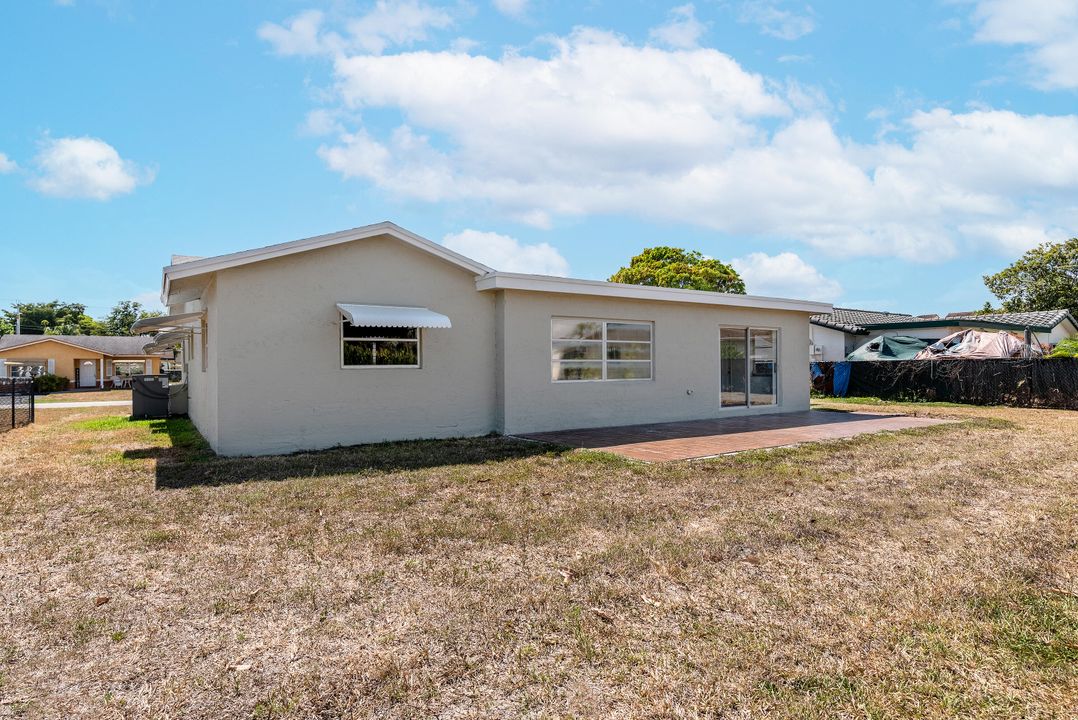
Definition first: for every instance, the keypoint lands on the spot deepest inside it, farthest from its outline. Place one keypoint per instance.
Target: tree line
(1044, 278)
(65, 318)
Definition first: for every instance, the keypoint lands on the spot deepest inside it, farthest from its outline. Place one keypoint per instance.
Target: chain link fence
(1041, 383)
(16, 402)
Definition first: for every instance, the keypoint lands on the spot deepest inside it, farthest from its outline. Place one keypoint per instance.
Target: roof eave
(571, 286)
(245, 257)
(964, 322)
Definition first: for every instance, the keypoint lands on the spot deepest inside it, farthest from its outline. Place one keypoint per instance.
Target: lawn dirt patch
(71, 396)
(928, 573)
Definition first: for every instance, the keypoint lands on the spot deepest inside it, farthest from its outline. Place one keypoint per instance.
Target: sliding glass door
(748, 367)
(732, 355)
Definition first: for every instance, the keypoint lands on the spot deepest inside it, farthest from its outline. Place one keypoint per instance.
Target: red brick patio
(706, 438)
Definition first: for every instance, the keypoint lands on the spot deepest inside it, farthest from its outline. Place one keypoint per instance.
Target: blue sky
(880, 155)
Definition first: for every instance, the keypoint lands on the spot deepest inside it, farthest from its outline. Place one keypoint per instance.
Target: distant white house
(835, 334)
(378, 334)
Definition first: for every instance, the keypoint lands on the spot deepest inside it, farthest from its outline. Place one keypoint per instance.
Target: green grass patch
(1037, 628)
(879, 401)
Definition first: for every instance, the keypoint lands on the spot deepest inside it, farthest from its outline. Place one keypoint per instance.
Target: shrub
(47, 383)
(1066, 348)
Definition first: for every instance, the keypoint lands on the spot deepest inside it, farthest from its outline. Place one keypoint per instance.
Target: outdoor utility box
(149, 396)
(177, 400)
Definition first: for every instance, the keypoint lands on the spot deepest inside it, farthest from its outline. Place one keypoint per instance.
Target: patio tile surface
(705, 438)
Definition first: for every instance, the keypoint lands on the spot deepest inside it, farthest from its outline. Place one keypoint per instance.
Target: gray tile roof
(861, 322)
(1041, 318)
(855, 321)
(107, 344)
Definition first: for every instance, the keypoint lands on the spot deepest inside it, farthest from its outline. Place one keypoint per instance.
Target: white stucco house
(835, 334)
(376, 334)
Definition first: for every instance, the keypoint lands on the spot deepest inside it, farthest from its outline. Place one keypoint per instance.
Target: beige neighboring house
(378, 334)
(85, 360)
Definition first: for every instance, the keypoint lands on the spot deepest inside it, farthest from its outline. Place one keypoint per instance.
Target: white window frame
(604, 359)
(418, 350)
(140, 363)
(747, 329)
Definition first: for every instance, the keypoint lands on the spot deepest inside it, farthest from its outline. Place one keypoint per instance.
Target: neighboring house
(85, 360)
(377, 334)
(838, 333)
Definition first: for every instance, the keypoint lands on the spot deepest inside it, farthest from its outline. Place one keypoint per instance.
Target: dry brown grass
(83, 396)
(930, 573)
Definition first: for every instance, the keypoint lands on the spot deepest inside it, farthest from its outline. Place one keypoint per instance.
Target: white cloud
(301, 35)
(322, 121)
(691, 136)
(505, 253)
(1049, 28)
(775, 21)
(512, 8)
(150, 300)
(785, 275)
(681, 30)
(389, 23)
(1014, 238)
(86, 167)
(7, 165)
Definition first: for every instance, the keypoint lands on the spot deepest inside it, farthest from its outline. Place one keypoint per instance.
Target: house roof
(601, 288)
(1041, 318)
(191, 267)
(860, 322)
(486, 278)
(856, 321)
(116, 345)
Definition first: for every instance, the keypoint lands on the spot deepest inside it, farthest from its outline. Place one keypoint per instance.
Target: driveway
(707, 438)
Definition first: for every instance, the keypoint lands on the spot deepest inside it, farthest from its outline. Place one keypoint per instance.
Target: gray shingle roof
(107, 344)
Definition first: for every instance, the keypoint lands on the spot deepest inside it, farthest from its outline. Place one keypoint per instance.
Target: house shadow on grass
(189, 462)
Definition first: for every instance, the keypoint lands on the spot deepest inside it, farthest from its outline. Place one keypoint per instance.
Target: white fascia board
(184, 296)
(223, 262)
(569, 286)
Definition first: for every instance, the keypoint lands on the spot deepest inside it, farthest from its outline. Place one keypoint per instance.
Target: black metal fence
(16, 402)
(1018, 383)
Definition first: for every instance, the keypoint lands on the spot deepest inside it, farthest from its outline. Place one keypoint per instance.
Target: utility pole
(18, 322)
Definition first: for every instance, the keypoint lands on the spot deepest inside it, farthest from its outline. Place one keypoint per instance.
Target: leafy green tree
(123, 315)
(1045, 278)
(1067, 348)
(6, 328)
(677, 268)
(52, 318)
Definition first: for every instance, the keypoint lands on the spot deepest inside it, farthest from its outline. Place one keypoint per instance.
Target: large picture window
(23, 368)
(582, 349)
(748, 366)
(127, 369)
(379, 346)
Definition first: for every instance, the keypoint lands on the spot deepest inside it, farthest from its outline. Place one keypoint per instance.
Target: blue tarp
(842, 378)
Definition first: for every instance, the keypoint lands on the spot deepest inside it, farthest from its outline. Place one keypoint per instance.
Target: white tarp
(392, 316)
(979, 345)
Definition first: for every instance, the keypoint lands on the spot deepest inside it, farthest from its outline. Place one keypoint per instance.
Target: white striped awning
(166, 322)
(392, 316)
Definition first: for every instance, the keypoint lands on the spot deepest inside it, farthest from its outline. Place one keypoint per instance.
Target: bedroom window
(589, 350)
(379, 346)
(748, 367)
